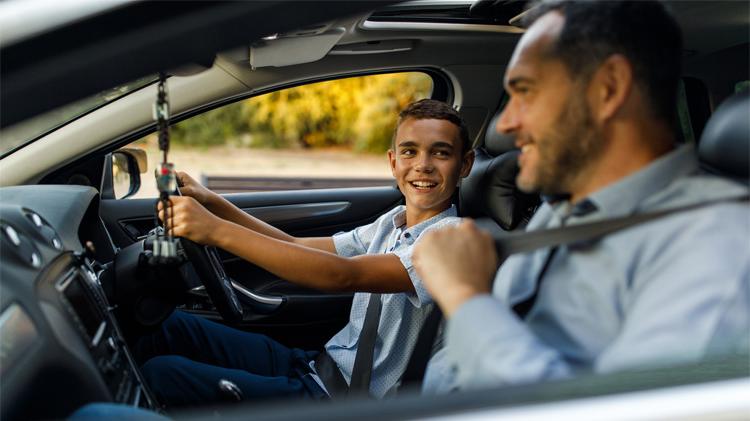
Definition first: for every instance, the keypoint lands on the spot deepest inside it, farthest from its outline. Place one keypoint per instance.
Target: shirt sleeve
(357, 241)
(490, 346)
(685, 302)
(421, 296)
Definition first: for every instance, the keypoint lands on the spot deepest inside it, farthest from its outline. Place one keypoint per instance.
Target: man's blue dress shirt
(668, 291)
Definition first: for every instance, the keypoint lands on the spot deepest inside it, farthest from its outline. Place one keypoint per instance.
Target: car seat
(489, 193)
(724, 146)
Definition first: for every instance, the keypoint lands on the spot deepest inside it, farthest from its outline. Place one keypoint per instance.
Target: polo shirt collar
(399, 220)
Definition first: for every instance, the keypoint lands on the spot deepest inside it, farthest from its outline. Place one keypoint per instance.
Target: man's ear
(466, 163)
(392, 161)
(611, 86)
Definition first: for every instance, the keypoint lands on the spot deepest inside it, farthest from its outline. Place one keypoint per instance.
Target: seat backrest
(724, 147)
(697, 103)
(490, 189)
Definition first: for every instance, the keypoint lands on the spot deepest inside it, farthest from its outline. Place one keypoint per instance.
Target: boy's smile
(427, 163)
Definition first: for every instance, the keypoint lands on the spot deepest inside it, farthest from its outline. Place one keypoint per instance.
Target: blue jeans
(187, 357)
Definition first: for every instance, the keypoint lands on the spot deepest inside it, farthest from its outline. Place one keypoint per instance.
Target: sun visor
(277, 51)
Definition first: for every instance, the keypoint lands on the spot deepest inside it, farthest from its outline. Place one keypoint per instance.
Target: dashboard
(60, 344)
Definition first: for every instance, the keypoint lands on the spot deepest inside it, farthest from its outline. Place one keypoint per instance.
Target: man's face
(427, 163)
(548, 113)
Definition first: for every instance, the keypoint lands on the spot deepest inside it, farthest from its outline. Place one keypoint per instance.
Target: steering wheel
(208, 266)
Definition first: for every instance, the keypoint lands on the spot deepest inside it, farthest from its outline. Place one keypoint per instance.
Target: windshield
(29, 130)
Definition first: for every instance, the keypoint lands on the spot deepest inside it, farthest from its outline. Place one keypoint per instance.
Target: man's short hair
(643, 31)
(438, 110)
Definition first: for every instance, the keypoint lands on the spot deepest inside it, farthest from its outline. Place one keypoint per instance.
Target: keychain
(165, 245)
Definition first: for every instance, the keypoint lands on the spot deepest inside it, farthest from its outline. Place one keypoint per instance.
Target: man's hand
(456, 263)
(191, 188)
(190, 220)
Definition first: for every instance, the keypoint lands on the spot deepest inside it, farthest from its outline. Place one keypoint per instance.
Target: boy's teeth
(422, 184)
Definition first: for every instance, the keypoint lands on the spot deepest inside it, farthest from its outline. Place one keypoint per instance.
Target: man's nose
(508, 121)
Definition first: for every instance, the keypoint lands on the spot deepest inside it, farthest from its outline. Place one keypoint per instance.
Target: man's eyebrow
(513, 82)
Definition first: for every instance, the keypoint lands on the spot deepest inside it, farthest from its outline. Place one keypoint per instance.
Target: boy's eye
(407, 152)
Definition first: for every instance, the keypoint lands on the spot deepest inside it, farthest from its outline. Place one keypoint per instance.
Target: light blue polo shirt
(402, 314)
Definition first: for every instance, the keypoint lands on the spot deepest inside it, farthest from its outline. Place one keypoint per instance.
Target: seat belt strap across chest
(527, 241)
(362, 370)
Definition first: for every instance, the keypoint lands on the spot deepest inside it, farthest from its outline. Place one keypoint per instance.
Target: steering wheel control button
(36, 219)
(12, 235)
(36, 261)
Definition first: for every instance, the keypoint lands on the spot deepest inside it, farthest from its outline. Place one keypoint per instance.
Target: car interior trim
(437, 26)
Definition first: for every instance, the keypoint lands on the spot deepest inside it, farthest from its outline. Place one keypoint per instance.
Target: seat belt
(362, 370)
(422, 351)
(522, 242)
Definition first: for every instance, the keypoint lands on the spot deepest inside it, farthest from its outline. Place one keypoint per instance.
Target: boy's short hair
(438, 110)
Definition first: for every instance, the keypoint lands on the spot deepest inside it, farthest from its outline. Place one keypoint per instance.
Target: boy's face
(427, 163)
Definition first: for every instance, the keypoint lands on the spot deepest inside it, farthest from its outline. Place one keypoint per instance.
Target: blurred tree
(358, 113)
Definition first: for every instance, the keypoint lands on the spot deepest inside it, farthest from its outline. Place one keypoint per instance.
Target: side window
(321, 135)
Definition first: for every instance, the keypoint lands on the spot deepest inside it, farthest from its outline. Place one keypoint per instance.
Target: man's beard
(567, 148)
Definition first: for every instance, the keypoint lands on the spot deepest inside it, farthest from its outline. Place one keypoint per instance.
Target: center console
(86, 305)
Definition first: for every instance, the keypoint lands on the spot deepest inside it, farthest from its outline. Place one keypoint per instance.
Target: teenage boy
(188, 355)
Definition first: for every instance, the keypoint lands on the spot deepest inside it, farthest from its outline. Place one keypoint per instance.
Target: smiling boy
(189, 355)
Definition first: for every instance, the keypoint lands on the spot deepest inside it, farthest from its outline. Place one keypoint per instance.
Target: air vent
(19, 245)
(48, 234)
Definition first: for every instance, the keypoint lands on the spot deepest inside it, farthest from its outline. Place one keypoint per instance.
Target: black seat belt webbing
(330, 375)
(531, 240)
(422, 351)
(362, 370)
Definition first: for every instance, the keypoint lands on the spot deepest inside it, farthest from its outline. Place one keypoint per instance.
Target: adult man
(188, 356)
(592, 106)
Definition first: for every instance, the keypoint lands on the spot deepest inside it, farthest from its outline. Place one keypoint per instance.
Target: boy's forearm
(312, 267)
(224, 209)
(302, 265)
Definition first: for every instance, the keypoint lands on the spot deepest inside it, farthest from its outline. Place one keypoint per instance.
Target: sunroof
(481, 12)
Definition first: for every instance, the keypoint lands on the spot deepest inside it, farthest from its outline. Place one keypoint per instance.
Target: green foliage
(358, 113)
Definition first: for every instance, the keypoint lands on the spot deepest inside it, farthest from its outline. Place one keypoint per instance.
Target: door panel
(305, 317)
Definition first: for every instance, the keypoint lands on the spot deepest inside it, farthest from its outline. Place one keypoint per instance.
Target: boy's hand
(192, 221)
(191, 188)
(455, 263)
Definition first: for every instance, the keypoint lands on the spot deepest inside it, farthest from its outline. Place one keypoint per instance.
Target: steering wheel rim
(208, 266)
(210, 270)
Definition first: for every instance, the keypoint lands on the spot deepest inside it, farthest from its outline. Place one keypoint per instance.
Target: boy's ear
(466, 163)
(392, 161)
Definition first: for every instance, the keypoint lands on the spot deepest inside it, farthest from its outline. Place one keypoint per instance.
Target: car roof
(78, 55)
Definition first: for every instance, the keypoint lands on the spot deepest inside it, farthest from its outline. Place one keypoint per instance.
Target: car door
(360, 190)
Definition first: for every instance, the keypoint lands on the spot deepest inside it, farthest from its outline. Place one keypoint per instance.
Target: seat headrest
(725, 144)
(490, 191)
(497, 143)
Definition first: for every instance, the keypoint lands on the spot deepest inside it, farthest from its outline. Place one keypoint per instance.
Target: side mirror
(123, 170)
